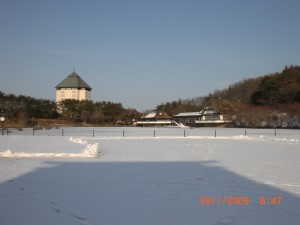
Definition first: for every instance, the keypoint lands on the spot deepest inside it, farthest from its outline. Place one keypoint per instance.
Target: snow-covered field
(95, 176)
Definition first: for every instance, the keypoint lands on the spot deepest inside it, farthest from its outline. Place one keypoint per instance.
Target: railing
(105, 132)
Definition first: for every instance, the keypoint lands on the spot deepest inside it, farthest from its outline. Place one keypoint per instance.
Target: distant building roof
(73, 81)
(186, 114)
(218, 105)
(212, 107)
(150, 115)
(159, 114)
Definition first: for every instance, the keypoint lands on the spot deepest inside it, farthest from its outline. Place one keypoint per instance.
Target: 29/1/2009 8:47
(238, 200)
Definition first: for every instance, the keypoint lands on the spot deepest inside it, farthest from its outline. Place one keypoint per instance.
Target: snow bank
(90, 151)
(292, 140)
(7, 154)
(78, 141)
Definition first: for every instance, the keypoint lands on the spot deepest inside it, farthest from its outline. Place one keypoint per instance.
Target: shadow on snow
(138, 193)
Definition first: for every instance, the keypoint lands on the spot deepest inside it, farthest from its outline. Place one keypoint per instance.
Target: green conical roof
(73, 81)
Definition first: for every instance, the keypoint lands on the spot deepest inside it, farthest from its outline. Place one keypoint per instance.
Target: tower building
(73, 87)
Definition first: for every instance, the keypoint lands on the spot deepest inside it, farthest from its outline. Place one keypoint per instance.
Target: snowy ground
(142, 179)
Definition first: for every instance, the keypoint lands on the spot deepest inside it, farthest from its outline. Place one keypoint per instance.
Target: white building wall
(84, 94)
(72, 93)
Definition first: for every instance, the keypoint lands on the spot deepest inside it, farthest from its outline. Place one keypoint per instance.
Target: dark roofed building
(216, 112)
(73, 87)
(157, 118)
(219, 106)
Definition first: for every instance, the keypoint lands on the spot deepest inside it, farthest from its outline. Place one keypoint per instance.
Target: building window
(212, 118)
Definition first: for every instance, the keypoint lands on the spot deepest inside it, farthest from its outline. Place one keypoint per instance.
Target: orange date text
(239, 200)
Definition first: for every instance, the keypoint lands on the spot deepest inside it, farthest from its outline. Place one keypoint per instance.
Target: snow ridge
(293, 140)
(90, 151)
(78, 141)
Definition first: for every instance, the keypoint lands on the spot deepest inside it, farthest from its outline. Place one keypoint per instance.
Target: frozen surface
(142, 179)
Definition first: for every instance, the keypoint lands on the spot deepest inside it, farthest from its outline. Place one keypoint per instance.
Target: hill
(268, 90)
(271, 100)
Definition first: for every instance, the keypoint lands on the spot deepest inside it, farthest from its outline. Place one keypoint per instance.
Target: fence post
(93, 133)
(123, 133)
(32, 131)
(275, 132)
(245, 132)
(62, 132)
(154, 133)
(215, 133)
(184, 133)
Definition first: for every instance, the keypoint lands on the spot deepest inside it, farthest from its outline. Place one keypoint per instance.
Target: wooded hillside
(269, 90)
(266, 101)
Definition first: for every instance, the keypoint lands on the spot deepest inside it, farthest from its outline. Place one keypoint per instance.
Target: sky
(142, 53)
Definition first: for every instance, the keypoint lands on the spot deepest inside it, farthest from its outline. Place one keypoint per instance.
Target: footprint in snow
(55, 207)
(79, 217)
(57, 210)
(54, 203)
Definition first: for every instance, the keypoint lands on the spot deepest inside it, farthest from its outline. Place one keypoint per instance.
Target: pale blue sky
(144, 52)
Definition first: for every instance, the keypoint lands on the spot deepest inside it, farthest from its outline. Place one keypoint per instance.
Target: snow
(142, 179)
(78, 140)
(90, 151)
(150, 115)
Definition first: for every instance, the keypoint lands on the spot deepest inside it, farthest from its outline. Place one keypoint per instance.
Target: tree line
(25, 108)
(267, 101)
(187, 105)
(87, 111)
(269, 90)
